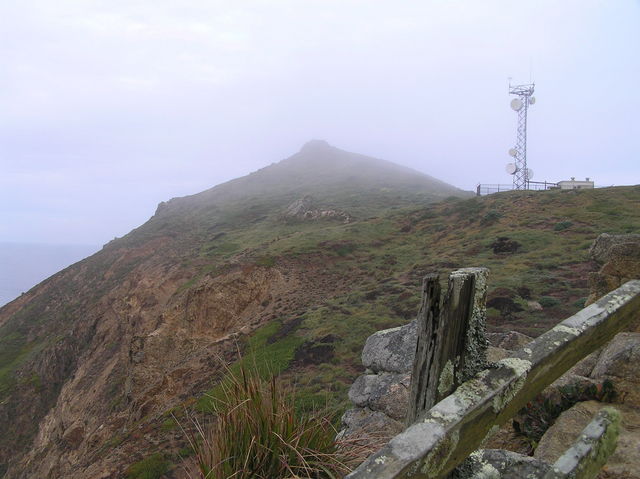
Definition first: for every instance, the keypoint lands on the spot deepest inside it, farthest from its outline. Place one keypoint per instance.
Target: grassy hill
(99, 354)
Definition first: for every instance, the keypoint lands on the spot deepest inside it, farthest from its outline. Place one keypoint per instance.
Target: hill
(296, 265)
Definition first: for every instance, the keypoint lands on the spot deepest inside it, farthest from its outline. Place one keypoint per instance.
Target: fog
(109, 107)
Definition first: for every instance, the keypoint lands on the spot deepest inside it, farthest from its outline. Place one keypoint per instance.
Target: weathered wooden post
(451, 346)
(442, 437)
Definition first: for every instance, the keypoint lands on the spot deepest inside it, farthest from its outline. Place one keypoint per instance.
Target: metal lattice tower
(522, 174)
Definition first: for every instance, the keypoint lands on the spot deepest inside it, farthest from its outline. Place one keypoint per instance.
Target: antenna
(524, 98)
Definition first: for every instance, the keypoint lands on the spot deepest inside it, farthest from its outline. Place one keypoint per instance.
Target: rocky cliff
(91, 358)
(94, 359)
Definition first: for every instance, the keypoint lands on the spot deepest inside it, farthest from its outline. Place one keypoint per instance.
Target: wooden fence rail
(441, 437)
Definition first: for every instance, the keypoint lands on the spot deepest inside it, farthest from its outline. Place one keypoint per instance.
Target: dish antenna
(529, 174)
(513, 152)
(532, 100)
(511, 168)
(516, 104)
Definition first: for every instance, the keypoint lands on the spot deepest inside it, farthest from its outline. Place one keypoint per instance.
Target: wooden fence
(456, 402)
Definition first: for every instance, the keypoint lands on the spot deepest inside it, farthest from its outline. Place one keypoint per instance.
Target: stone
(494, 463)
(507, 438)
(624, 463)
(305, 209)
(534, 306)
(73, 436)
(619, 256)
(363, 423)
(496, 354)
(514, 341)
(385, 392)
(618, 362)
(585, 367)
(601, 249)
(391, 350)
(510, 340)
(565, 430)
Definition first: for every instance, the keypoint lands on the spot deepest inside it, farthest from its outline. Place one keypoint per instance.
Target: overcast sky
(109, 107)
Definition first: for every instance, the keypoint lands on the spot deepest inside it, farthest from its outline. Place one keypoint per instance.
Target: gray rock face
(391, 350)
(601, 250)
(624, 463)
(620, 358)
(305, 209)
(619, 256)
(365, 423)
(385, 392)
(493, 463)
(619, 362)
(381, 399)
(511, 340)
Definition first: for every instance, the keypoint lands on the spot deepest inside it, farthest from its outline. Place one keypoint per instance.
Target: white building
(574, 184)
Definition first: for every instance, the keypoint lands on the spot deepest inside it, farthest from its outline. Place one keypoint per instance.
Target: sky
(109, 107)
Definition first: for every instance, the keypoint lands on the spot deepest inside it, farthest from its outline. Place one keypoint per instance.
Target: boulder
(618, 362)
(494, 463)
(496, 354)
(364, 424)
(514, 341)
(624, 463)
(510, 340)
(619, 256)
(305, 209)
(385, 392)
(391, 350)
(602, 249)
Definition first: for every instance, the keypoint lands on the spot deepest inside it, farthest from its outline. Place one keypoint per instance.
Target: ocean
(24, 265)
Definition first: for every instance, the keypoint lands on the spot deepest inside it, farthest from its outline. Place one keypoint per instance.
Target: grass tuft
(256, 433)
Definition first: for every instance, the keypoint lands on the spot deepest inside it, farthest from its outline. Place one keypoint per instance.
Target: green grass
(15, 350)
(373, 267)
(152, 467)
(267, 358)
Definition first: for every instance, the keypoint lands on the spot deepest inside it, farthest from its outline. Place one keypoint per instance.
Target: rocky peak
(315, 146)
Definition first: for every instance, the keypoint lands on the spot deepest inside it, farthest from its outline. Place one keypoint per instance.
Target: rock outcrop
(619, 258)
(304, 209)
(381, 395)
(624, 463)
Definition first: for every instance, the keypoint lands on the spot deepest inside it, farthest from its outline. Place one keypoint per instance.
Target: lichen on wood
(469, 413)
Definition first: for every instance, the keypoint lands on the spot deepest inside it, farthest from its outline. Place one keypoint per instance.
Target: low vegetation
(533, 420)
(152, 467)
(257, 433)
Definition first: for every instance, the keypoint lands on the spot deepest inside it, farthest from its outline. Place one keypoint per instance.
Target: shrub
(580, 303)
(153, 467)
(563, 225)
(491, 217)
(257, 434)
(549, 301)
